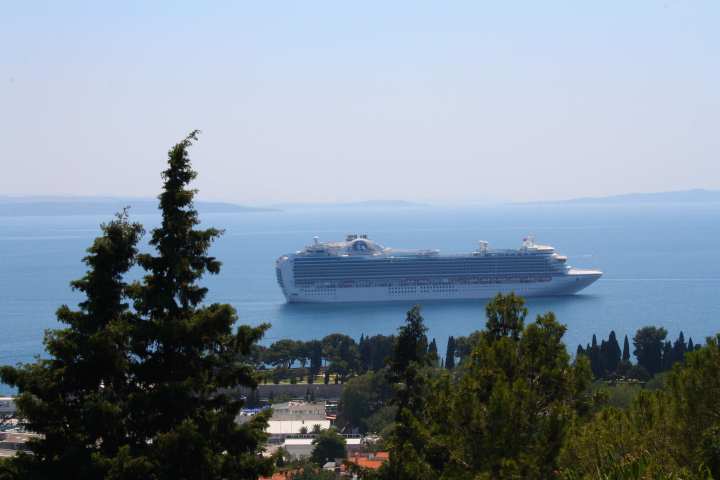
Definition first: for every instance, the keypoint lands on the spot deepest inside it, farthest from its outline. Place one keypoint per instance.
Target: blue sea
(661, 264)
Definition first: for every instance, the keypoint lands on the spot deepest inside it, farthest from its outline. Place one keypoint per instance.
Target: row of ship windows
(365, 265)
(360, 263)
(420, 284)
(435, 259)
(421, 279)
(418, 275)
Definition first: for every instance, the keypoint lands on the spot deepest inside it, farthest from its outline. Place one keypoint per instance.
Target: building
(369, 461)
(297, 417)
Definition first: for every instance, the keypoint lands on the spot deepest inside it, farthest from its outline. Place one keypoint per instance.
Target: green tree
(673, 430)
(433, 353)
(614, 354)
(626, 351)
(282, 353)
(648, 342)
(506, 415)
(77, 397)
(450, 353)
(155, 397)
(314, 349)
(186, 353)
(410, 435)
(342, 353)
(361, 397)
(679, 349)
(328, 446)
(505, 316)
(381, 348)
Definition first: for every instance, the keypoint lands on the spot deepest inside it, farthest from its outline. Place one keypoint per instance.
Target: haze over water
(660, 263)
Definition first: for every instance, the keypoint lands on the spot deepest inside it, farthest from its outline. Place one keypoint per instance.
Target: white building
(291, 417)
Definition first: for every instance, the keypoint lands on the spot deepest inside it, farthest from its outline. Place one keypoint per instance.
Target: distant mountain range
(51, 206)
(682, 196)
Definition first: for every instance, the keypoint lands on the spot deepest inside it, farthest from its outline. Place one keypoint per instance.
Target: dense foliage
(328, 446)
(654, 354)
(130, 393)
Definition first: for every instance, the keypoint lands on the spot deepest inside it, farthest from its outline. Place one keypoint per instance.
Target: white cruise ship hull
(573, 282)
(360, 270)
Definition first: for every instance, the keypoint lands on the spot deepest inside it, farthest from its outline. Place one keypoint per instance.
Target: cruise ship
(361, 270)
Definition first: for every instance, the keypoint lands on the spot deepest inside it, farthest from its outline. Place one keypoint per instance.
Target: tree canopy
(139, 392)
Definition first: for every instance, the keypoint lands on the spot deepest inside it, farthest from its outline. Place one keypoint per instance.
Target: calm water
(661, 264)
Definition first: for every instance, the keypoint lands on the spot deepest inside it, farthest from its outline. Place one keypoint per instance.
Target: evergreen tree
(506, 316)
(140, 394)
(342, 353)
(314, 348)
(505, 413)
(648, 342)
(409, 436)
(365, 349)
(327, 447)
(690, 345)
(450, 353)
(595, 359)
(614, 353)
(186, 354)
(626, 351)
(77, 398)
(679, 348)
(433, 353)
(667, 356)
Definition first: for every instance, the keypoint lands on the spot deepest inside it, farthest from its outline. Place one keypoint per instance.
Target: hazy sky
(339, 101)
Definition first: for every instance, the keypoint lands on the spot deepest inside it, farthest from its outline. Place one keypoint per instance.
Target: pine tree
(184, 423)
(409, 437)
(626, 351)
(77, 398)
(450, 353)
(506, 316)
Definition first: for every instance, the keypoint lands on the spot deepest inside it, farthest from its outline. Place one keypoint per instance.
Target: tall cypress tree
(679, 348)
(450, 353)
(433, 352)
(614, 354)
(626, 350)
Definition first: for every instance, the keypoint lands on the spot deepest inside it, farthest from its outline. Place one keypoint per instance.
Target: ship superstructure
(361, 270)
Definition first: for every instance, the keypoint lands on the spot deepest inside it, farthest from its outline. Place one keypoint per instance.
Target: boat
(361, 270)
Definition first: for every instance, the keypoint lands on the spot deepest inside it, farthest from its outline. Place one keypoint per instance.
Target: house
(369, 461)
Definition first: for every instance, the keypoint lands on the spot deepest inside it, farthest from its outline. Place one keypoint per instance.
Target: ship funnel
(316, 239)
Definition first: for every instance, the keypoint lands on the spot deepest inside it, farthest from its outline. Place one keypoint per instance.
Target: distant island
(51, 206)
(697, 195)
